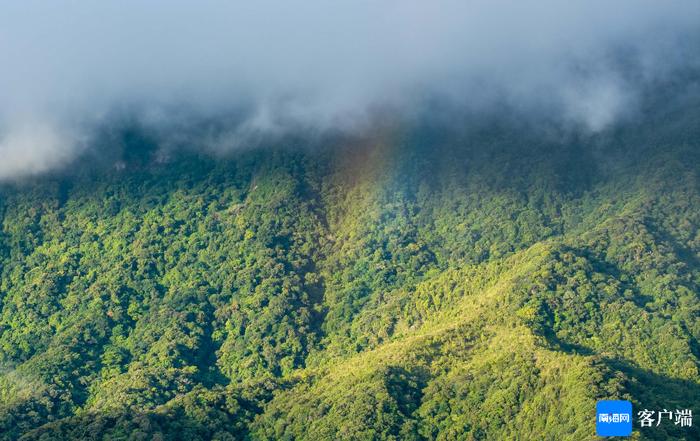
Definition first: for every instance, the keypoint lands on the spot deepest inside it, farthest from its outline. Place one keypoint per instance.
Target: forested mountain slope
(414, 283)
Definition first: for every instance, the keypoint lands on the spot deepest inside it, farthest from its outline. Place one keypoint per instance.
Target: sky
(70, 67)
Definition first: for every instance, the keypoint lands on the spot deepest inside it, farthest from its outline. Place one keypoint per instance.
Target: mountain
(418, 282)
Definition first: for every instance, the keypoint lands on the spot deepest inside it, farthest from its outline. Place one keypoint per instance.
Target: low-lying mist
(220, 76)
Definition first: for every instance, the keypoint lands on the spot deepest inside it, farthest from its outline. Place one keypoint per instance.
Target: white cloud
(325, 63)
(34, 147)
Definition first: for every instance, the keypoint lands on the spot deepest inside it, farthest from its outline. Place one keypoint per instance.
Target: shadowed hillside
(415, 284)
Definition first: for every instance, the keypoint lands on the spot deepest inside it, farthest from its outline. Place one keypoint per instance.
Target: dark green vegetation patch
(404, 286)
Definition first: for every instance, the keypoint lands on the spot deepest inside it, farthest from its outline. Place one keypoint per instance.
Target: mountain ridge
(490, 284)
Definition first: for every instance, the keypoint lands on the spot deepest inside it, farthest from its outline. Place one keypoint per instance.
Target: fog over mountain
(264, 67)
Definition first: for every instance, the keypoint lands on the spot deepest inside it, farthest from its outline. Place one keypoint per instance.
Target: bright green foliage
(413, 285)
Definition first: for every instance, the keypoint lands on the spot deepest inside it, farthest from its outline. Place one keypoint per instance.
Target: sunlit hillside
(415, 283)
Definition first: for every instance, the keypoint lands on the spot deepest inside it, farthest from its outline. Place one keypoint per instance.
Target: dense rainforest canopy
(414, 283)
